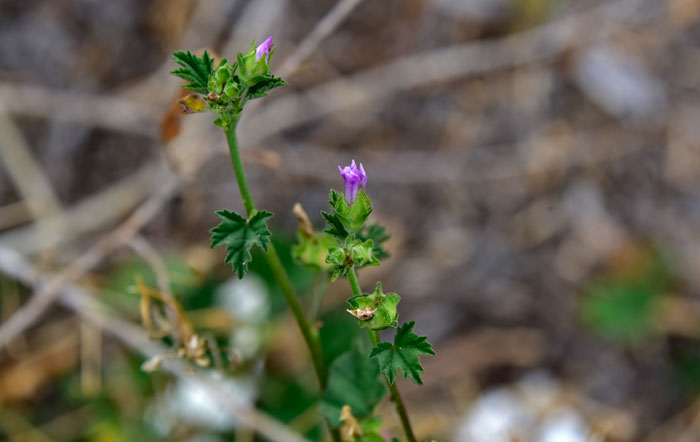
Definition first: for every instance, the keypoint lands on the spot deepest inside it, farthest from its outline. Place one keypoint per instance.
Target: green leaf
(403, 354)
(371, 430)
(379, 306)
(194, 69)
(239, 235)
(353, 380)
(625, 306)
(262, 88)
(378, 235)
(620, 311)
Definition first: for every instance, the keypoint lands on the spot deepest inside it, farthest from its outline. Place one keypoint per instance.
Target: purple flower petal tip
(263, 49)
(355, 179)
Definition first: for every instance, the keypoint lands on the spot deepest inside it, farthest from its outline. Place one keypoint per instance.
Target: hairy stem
(310, 334)
(393, 389)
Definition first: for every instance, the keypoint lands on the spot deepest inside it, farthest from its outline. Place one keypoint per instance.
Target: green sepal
(311, 252)
(362, 253)
(239, 236)
(336, 228)
(352, 217)
(383, 304)
(219, 77)
(353, 379)
(403, 354)
(378, 235)
(194, 69)
(339, 261)
(252, 72)
(232, 90)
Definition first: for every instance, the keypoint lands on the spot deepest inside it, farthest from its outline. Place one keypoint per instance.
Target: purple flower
(354, 180)
(263, 49)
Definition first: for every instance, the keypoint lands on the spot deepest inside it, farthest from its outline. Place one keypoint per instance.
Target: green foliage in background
(624, 306)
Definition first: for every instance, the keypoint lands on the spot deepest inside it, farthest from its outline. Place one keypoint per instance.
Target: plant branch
(310, 334)
(393, 389)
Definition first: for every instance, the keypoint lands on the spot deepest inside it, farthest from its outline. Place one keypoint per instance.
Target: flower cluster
(227, 87)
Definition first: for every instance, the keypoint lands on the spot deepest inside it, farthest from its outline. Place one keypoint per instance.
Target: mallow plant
(357, 380)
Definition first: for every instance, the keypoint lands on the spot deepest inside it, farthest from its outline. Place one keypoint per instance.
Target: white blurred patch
(619, 84)
(563, 426)
(191, 402)
(246, 340)
(495, 417)
(245, 299)
(530, 411)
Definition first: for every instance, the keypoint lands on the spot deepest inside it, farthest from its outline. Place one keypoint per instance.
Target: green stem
(320, 287)
(310, 334)
(354, 283)
(393, 389)
(238, 169)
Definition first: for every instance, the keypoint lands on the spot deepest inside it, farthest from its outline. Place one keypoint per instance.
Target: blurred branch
(87, 306)
(323, 29)
(433, 67)
(369, 85)
(48, 292)
(92, 213)
(29, 178)
(19, 428)
(14, 214)
(24, 170)
(103, 111)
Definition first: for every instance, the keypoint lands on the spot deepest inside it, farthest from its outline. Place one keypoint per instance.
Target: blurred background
(536, 163)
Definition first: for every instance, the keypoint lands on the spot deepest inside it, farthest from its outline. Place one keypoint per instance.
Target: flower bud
(263, 49)
(354, 180)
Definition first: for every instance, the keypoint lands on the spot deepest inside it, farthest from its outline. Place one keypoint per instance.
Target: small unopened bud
(213, 96)
(304, 224)
(263, 49)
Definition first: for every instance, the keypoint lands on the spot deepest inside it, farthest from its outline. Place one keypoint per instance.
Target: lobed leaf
(239, 236)
(403, 354)
(194, 69)
(262, 88)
